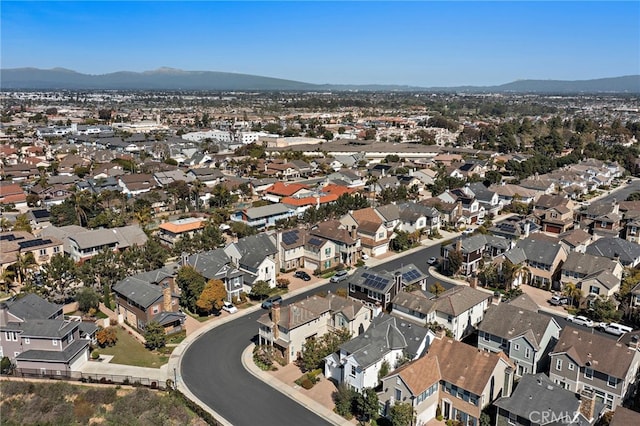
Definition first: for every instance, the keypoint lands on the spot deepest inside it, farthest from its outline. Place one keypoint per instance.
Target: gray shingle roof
(508, 322)
(54, 356)
(46, 328)
(384, 334)
(587, 264)
(255, 248)
(266, 211)
(612, 246)
(539, 250)
(33, 306)
(139, 291)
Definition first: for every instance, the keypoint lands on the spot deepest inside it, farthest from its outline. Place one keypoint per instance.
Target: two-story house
(418, 217)
(374, 238)
(458, 309)
(470, 380)
(264, 216)
(172, 231)
(626, 252)
(217, 265)
(150, 297)
(582, 360)
(20, 243)
(474, 249)
(538, 401)
(288, 327)
(542, 257)
(290, 244)
(388, 340)
(594, 275)
(35, 336)
(487, 198)
(524, 336)
(346, 241)
(256, 255)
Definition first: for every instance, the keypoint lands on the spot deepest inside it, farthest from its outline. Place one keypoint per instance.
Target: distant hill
(174, 79)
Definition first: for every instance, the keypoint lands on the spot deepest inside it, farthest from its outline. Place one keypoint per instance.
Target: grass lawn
(129, 351)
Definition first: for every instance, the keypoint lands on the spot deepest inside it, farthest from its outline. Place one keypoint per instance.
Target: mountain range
(175, 79)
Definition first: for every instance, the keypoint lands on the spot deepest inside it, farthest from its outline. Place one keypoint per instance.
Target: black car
(273, 300)
(302, 275)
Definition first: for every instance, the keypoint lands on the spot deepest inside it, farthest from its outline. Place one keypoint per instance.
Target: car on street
(617, 329)
(558, 300)
(432, 261)
(339, 276)
(228, 306)
(273, 300)
(302, 275)
(580, 320)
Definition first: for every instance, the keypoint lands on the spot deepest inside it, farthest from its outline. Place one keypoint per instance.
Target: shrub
(100, 395)
(306, 383)
(282, 283)
(95, 355)
(106, 337)
(243, 296)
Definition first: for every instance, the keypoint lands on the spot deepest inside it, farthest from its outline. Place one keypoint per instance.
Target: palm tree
(6, 279)
(513, 272)
(572, 291)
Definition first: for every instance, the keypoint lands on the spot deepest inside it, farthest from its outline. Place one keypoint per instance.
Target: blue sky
(417, 43)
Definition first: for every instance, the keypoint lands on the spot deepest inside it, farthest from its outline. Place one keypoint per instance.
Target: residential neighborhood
(369, 263)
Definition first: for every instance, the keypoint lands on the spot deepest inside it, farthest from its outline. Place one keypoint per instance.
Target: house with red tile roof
(12, 193)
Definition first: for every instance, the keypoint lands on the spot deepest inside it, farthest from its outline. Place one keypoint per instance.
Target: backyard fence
(109, 379)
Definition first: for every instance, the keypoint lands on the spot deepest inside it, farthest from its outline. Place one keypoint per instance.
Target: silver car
(339, 276)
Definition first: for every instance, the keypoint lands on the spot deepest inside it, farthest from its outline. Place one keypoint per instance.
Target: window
(603, 224)
(43, 252)
(56, 249)
(10, 336)
(155, 309)
(594, 290)
(571, 366)
(485, 337)
(516, 347)
(353, 371)
(327, 251)
(398, 394)
(558, 364)
(588, 373)
(527, 352)
(612, 382)
(513, 418)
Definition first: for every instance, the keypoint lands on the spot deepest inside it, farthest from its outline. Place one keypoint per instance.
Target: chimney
(633, 343)
(166, 298)
(275, 317)
(397, 278)
(508, 381)
(527, 228)
(497, 297)
(587, 404)
(353, 232)
(4, 314)
(473, 281)
(459, 245)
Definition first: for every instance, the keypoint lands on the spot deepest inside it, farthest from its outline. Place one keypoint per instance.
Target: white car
(432, 260)
(227, 306)
(365, 256)
(580, 320)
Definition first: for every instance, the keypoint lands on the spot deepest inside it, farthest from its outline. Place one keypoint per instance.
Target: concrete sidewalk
(105, 368)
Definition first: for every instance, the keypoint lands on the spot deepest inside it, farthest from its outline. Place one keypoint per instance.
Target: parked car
(617, 329)
(432, 260)
(229, 307)
(339, 276)
(580, 320)
(558, 300)
(273, 300)
(302, 275)
(365, 256)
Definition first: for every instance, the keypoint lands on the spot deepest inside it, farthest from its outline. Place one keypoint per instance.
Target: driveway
(541, 298)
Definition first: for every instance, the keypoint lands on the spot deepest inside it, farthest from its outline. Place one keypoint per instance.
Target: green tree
(402, 414)
(154, 335)
(5, 365)
(454, 261)
(384, 370)
(191, 283)
(436, 289)
(603, 309)
(368, 404)
(260, 290)
(344, 398)
(241, 229)
(212, 296)
(572, 292)
(87, 299)
(22, 223)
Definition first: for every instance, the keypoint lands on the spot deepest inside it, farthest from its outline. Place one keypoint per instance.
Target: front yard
(129, 351)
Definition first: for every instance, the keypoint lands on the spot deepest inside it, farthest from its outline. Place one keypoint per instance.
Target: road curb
(283, 388)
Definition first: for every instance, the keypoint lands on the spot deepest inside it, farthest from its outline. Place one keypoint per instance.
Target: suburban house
(624, 416)
(150, 297)
(470, 380)
(320, 254)
(626, 252)
(172, 231)
(525, 336)
(378, 288)
(387, 340)
(416, 383)
(475, 249)
(12, 194)
(374, 237)
(280, 190)
(507, 193)
(289, 327)
(536, 400)
(415, 217)
(217, 265)
(291, 250)
(487, 198)
(553, 213)
(471, 208)
(390, 215)
(208, 176)
(35, 336)
(582, 360)
(347, 243)
(256, 255)
(542, 257)
(576, 240)
(19, 243)
(264, 216)
(458, 309)
(136, 184)
(81, 244)
(594, 275)
(514, 228)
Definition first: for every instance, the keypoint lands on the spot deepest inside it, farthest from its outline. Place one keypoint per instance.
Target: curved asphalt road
(212, 369)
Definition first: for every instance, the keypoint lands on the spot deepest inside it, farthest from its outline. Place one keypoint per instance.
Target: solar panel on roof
(34, 243)
(410, 275)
